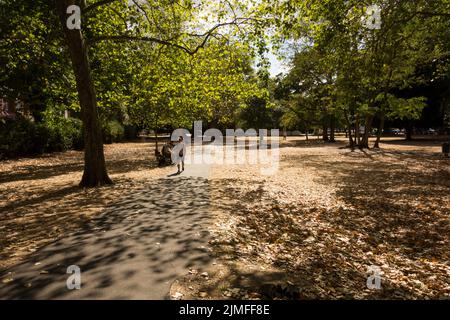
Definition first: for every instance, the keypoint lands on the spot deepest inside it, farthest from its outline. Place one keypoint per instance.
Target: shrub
(131, 132)
(64, 134)
(113, 131)
(22, 137)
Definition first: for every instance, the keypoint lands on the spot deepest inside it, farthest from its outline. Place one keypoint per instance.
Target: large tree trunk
(94, 160)
(380, 132)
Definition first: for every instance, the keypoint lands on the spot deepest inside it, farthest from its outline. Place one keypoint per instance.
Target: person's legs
(182, 164)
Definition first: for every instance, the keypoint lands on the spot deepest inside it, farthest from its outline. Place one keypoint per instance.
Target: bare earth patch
(313, 229)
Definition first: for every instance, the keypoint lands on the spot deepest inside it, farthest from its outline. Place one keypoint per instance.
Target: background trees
(158, 64)
(357, 73)
(131, 61)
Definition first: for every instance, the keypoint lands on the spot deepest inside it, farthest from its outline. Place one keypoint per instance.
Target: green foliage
(113, 131)
(149, 83)
(174, 89)
(131, 132)
(63, 134)
(24, 137)
(406, 108)
(259, 114)
(343, 69)
(35, 66)
(21, 137)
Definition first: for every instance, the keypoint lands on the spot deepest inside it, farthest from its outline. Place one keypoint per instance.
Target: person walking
(181, 149)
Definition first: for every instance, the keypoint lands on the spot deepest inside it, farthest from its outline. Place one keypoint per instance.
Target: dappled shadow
(392, 203)
(390, 211)
(306, 283)
(115, 166)
(142, 242)
(54, 194)
(42, 172)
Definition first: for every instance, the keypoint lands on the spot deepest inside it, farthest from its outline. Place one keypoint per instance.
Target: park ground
(310, 231)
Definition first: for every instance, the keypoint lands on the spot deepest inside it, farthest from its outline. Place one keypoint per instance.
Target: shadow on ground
(142, 242)
(393, 214)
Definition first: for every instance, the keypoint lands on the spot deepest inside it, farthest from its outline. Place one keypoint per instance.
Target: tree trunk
(380, 132)
(349, 135)
(11, 106)
(306, 130)
(332, 128)
(364, 144)
(325, 131)
(350, 138)
(357, 132)
(409, 131)
(156, 142)
(94, 160)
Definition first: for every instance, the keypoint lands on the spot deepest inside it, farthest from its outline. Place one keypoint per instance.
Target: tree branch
(122, 38)
(206, 36)
(433, 14)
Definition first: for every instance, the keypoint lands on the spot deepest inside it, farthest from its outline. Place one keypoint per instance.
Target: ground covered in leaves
(316, 227)
(311, 231)
(40, 201)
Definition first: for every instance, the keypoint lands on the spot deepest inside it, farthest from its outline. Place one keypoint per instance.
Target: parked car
(392, 131)
(431, 131)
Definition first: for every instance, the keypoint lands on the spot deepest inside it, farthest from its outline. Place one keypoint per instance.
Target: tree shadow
(391, 212)
(141, 243)
(390, 200)
(28, 173)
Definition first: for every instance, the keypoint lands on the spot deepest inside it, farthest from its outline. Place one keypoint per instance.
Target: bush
(64, 134)
(113, 131)
(22, 137)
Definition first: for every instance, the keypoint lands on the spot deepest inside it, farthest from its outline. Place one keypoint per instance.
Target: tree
(159, 22)
(368, 64)
(34, 72)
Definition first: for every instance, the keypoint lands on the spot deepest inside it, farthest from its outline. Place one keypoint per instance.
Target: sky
(276, 65)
